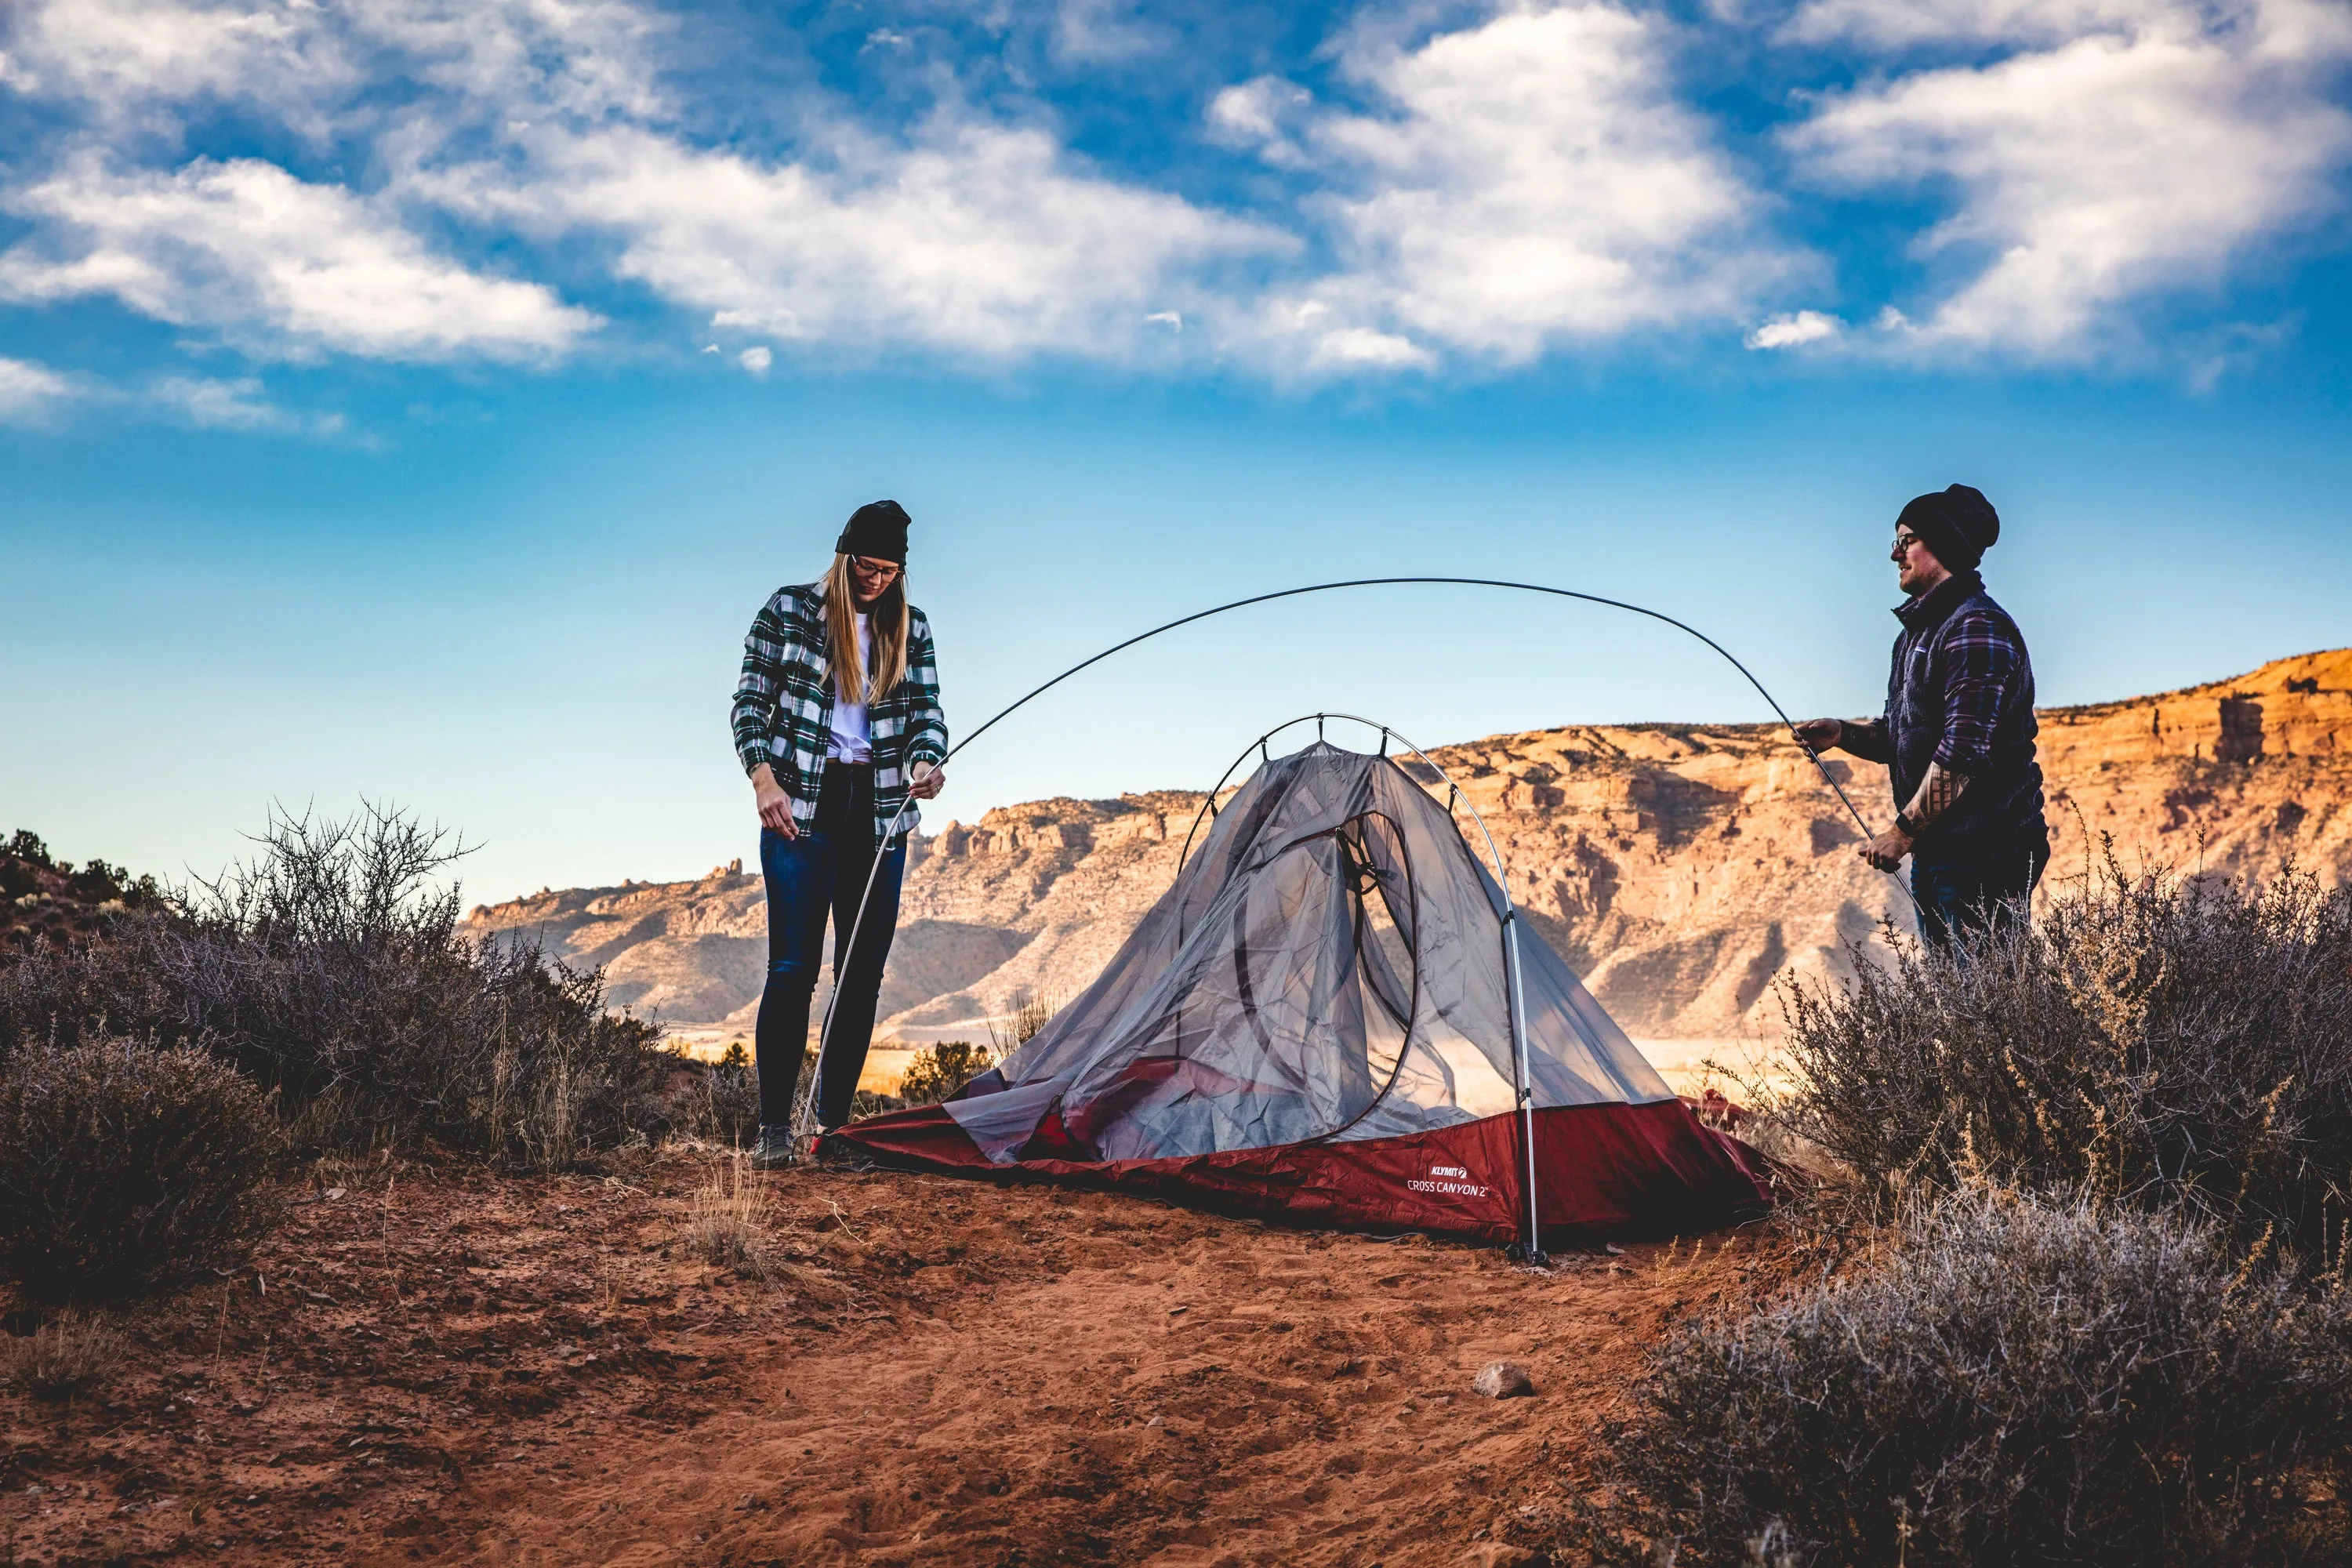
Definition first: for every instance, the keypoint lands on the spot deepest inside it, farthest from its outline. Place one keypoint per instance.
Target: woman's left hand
(928, 782)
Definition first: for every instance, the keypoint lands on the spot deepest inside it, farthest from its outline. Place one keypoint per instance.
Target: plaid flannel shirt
(783, 707)
(1960, 692)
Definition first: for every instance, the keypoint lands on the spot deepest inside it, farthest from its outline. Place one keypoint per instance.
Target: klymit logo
(1450, 1180)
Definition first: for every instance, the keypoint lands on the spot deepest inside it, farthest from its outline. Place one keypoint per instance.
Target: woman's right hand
(775, 805)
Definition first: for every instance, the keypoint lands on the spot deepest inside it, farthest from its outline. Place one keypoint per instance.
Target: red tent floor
(1602, 1170)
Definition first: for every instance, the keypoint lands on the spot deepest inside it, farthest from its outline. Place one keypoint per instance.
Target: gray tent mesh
(1330, 964)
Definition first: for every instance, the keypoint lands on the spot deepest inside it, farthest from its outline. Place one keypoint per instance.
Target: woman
(837, 721)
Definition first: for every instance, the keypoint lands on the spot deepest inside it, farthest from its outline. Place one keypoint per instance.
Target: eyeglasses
(875, 568)
(1903, 542)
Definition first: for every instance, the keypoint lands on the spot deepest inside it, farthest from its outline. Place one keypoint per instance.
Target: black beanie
(1957, 525)
(876, 531)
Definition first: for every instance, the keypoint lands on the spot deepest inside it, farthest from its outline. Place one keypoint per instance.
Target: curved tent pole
(1515, 991)
(804, 1117)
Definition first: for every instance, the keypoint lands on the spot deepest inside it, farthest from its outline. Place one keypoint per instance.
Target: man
(1957, 734)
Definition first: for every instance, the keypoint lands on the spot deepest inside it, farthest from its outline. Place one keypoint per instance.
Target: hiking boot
(775, 1150)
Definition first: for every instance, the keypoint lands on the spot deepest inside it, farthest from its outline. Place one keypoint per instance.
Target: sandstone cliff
(1679, 868)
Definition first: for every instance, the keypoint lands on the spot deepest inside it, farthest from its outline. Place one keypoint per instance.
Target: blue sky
(416, 398)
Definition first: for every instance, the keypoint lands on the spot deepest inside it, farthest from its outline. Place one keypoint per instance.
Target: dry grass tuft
(727, 1228)
(69, 1354)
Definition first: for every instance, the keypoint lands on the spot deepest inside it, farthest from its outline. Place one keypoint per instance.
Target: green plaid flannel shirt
(783, 707)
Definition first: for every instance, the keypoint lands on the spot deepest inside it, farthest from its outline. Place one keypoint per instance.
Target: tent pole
(1518, 1004)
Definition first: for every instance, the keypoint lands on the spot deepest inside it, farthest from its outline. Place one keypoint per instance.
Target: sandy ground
(443, 1365)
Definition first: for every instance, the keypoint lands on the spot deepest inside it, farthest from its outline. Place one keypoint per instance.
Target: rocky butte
(1682, 869)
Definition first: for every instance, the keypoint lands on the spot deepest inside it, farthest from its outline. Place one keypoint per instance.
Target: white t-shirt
(852, 736)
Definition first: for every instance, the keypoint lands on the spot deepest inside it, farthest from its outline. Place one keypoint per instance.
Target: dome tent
(1336, 1015)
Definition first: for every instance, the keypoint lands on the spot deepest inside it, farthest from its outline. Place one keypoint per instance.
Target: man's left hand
(928, 782)
(1886, 851)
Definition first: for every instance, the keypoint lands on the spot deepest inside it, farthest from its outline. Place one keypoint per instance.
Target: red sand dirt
(442, 1365)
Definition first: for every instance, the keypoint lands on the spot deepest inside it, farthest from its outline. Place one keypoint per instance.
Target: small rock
(1503, 1379)
(333, 1194)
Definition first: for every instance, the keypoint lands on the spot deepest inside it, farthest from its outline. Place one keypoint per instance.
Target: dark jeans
(1968, 890)
(824, 872)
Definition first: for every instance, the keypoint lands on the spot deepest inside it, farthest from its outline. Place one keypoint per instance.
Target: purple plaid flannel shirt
(1960, 692)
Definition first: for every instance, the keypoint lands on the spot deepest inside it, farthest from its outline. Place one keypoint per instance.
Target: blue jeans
(1967, 890)
(822, 873)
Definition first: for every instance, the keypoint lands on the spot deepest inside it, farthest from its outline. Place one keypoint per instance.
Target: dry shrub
(937, 1071)
(727, 1227)
(124, 1167)
(730, 1099)
(1033, 1014)
(69, 1354)
(2176, 1043)
(333, 970)
(2013, 1381)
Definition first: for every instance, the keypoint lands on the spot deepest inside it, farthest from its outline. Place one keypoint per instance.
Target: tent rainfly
(1328, 1018)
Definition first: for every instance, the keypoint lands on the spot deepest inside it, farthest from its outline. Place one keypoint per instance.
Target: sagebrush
(332, 969)
(2009, 1381)
(2175, 1042)
(125, 1167)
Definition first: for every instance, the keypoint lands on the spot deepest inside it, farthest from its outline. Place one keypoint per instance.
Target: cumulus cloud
(1524, 177)
(29, 391)
(2098, 172)
(311, 60)
(1794, 330)
(121, 56)
(980, 239)
(1533, 180)
(271, 262)
(757, 359)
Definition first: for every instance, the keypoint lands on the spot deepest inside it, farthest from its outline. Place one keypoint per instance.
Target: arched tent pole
(804, 1118)
(1515, 991)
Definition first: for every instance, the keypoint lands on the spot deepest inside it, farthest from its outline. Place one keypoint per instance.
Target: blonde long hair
(851, 680)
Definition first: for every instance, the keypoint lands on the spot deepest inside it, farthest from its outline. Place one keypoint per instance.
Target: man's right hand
(775, 805)
(1821, 734)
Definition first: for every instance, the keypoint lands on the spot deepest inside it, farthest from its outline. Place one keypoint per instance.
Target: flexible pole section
(803, 1120)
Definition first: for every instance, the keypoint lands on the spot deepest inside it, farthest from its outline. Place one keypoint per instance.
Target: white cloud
(1267, 114)
(980, 239)
(309, 59)
(246, 250)
(238, 405)
(1789, 331)
(1101, 32)
(756, 359)
(1895, 24)
(28, 391)
(1534, 177)
(2104, 169)
(1362, 346)
(120, 55)
(1531, 180)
